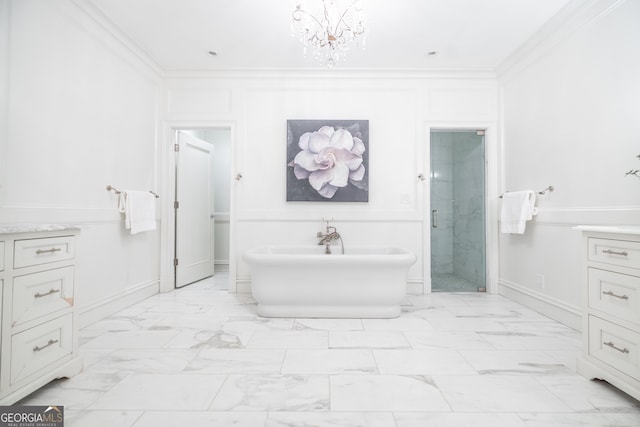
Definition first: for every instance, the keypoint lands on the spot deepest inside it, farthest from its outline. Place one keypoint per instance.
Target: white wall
(81, 114)
(4, 90)
(400, 108)
(571, 117)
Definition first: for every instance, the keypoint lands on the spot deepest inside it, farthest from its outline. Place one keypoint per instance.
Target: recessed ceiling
(178, 35)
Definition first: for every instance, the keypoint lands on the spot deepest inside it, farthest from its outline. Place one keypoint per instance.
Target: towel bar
(115, 190)
(549, 188)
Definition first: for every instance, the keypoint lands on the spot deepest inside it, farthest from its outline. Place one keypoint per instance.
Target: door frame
(492, 152)
(167, 162)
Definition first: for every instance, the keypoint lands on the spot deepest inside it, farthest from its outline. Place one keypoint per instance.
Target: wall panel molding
(54, 214)
(569, 217)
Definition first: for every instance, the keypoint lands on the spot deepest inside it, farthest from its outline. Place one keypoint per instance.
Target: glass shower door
(458, 211)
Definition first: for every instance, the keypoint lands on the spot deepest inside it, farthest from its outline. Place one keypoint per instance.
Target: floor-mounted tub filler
(304, 281)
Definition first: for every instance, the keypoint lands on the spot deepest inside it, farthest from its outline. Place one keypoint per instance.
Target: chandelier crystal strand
(329, 27)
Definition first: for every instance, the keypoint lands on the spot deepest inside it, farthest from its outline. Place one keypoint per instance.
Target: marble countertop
(34, 228)
(617, 229)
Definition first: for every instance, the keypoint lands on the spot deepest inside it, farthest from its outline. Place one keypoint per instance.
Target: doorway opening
(201, 203)
(458, 214)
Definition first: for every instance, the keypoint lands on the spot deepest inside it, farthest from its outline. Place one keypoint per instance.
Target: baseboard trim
(562, 312)
(108, 306)
(243, 285)
(415, 287)
(221, 266)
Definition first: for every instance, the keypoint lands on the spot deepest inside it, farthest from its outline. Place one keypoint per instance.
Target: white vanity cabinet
(611, 307)
(38, 335)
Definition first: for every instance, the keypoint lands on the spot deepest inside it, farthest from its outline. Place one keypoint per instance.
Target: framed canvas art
(328, 160)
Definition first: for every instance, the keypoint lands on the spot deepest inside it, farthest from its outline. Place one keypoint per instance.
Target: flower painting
(327, 160)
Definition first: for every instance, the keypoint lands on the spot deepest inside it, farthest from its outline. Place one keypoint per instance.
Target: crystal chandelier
(329, 27)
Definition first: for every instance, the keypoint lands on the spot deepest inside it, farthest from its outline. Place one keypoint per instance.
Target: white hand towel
(139, 208)
(518, 207)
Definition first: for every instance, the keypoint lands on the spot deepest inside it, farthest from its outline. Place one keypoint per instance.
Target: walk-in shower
(458, 255)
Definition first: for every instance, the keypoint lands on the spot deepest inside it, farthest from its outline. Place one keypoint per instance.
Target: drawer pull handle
(611, 294)
(44, 251)
(613, 346)
(610, 252)
(50, 343)
(52, 291)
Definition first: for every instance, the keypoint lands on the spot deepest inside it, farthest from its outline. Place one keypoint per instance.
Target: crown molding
(105, 25)
(574, 16)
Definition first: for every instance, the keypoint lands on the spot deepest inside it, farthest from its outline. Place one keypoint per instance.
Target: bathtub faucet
(326, 238)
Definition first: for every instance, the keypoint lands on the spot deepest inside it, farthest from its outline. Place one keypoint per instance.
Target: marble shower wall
(468, 207)
(458, 188)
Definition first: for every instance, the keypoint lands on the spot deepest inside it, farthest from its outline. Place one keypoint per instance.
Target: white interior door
(194, 210)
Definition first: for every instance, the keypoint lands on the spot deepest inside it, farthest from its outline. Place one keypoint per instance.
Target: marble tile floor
(200, 356)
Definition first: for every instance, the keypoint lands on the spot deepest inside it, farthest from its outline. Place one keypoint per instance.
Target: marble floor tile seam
(362, 419)
(88, 334)
(597, 393)
(515, 362)
(92, 400)
(218, 392)
(409, 376)
(482, 335)
(98, 368)
(384, 377)
(470, 413)
(585, 397)
(81, 399)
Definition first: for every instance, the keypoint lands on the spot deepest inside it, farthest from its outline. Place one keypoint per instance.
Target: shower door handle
(434, 218)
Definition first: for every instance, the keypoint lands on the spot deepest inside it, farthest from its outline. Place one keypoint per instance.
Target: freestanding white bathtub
(303, 281)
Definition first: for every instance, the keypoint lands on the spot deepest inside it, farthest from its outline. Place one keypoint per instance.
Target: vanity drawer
(616, 346)
(41, 251)
(1, 256)
(615, 294)
(42, 293)
(38, 347)
(616, 252)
